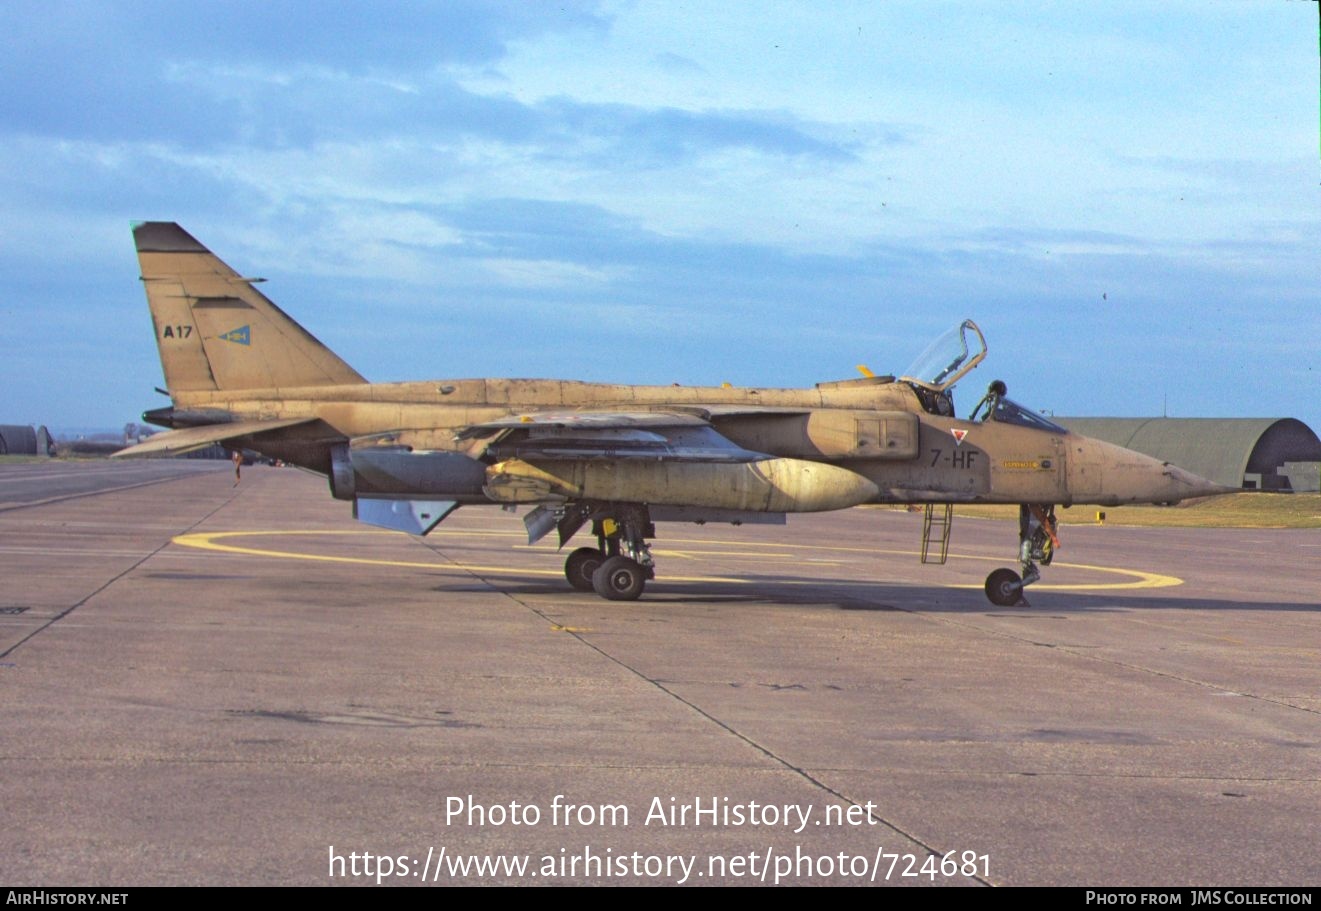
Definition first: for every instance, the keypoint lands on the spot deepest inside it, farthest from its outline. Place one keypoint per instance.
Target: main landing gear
(619, 566)
(1037, 540)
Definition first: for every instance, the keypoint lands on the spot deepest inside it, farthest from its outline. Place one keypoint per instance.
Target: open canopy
(948, 358)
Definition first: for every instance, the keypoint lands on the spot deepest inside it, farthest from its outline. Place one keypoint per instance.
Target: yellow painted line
(1140, 579)
(698, 554)
(211, 541)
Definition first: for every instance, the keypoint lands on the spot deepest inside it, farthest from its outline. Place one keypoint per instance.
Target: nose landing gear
(1037, 541)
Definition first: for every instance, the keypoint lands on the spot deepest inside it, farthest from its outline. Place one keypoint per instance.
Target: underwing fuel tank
(1110, 475)
(401, 473)
(766, 485)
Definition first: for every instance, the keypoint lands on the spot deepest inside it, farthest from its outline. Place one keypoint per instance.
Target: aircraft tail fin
(215, 331)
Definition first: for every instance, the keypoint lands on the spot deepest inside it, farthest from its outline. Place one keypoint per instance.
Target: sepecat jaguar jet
(615, 459)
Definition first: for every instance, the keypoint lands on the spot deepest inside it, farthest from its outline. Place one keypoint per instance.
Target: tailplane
(215, 331)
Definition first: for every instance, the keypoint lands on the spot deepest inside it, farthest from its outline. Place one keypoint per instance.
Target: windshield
(948, 358)
(1007, 411)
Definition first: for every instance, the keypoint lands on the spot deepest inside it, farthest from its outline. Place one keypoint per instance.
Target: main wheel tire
(619, 579)
(1004, 587)
(581, 566)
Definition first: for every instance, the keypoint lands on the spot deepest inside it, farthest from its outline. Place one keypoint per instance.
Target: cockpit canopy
(948, 359)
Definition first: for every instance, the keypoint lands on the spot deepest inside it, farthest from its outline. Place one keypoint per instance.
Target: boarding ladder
(935, 530)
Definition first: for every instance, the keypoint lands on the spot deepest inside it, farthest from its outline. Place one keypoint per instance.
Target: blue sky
(1125, 196)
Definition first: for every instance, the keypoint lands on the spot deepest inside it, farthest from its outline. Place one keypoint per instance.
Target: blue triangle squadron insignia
(240, 336)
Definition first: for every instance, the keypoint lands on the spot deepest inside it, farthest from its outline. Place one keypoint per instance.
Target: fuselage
(873, 426)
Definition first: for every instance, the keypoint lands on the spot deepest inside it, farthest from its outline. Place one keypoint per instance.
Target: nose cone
(1181, 484)
(1110, 475)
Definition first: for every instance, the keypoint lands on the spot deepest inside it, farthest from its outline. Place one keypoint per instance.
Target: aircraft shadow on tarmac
(853, 595)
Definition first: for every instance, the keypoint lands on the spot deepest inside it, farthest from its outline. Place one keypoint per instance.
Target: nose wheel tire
(581, 566)
(619, 579)
(1004, 588)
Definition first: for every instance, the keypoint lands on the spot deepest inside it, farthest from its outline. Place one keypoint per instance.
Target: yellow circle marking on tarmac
(1140, 579)
(211, 541)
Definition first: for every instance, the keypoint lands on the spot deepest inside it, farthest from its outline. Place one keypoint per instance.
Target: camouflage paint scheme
(242, 373)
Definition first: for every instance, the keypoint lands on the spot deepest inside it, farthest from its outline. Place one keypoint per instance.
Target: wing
(589, 435)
